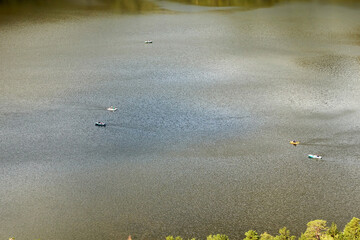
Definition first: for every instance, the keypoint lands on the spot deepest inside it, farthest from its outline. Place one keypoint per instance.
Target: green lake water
(199, 144)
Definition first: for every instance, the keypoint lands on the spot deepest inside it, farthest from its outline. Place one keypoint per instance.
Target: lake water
(200, 142)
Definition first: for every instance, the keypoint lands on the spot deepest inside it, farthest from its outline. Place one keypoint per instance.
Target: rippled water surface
(200, 142)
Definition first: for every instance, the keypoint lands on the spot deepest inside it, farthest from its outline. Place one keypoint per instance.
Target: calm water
(200, 143)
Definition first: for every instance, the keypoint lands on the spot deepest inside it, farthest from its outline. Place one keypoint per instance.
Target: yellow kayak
(294, 143)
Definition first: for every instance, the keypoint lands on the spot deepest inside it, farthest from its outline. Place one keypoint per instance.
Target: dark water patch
(58, 10)
(167, 117)
(14, 11)
(354, 37)
(344, 36)
(336, 65)
(129, 6)
(328, 115)
(123, 6)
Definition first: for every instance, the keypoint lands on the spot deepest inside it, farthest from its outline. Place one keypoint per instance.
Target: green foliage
(217, 237)
(251, 235)
(315, 230)
(333, 230)
(339, 237)
(327, 237)
(302, 237)
(352, 230)
(266, 236)
(284, 235)
(176, 238)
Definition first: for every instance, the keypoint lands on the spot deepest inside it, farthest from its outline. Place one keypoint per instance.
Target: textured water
(200, 142)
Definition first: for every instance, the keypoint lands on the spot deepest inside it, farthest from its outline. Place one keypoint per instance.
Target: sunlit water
(200, 142)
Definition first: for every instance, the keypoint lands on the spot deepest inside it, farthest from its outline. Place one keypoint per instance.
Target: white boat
(148, 41)
(314, 156)
(113, 109)
(100, 124)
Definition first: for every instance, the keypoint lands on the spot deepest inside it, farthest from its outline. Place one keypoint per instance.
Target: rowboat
(112, 109)
(294, 143)
(100, 124)
(314, 156)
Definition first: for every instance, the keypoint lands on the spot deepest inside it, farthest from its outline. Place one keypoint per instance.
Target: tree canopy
(316, 230)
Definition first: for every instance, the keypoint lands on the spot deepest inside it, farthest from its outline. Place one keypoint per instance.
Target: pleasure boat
(100, 124)
(314, 156)
(112, 109)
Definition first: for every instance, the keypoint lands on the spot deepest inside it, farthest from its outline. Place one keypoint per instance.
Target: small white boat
(314, 156)
(112, 109)
(100, 124)
(148, 41)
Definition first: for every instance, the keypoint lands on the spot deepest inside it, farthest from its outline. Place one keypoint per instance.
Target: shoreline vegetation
(53, 10)
(316, 230)
(131, 6)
